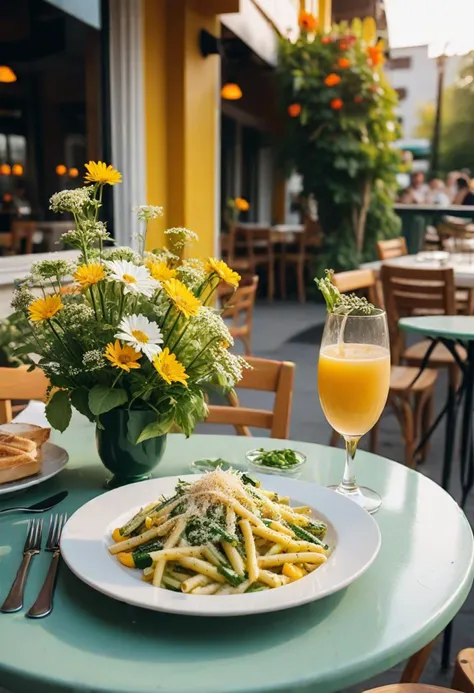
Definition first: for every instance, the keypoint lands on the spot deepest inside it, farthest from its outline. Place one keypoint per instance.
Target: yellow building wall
(154, 61)
(181, 114)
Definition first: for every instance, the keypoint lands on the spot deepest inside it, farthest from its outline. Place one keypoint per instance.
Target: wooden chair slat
(463, 677)
(19, 384)
(395, 247)
(267, 376)
(239, 416)
(240, 307)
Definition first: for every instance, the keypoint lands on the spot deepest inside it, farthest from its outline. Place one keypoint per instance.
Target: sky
(432, 22)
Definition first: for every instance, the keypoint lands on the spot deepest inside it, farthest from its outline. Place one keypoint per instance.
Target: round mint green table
(93, 644)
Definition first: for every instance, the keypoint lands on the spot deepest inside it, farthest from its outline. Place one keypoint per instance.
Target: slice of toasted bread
(13, 441)
(10, 457)
(29, 431)
(19, 469)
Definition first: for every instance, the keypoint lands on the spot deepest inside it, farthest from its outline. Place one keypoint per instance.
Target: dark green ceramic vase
(128, 461)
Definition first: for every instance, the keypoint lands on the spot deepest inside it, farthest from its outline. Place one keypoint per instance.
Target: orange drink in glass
(353, 384)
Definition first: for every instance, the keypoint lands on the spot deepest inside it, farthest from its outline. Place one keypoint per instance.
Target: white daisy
(142, 334)
(136, 278)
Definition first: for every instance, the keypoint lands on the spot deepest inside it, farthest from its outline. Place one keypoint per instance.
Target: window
(402, 63)
(401, 93)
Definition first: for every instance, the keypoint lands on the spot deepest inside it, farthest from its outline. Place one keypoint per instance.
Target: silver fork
(44, 602)
(14, 601)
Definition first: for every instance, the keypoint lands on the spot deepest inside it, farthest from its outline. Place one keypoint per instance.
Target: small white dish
(54, 460)
(352, 532)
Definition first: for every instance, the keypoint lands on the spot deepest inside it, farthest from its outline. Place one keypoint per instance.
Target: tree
(341, 125)
(426, 118)
(457, 142)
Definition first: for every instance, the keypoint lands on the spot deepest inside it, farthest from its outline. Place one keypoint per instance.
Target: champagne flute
(353, 383)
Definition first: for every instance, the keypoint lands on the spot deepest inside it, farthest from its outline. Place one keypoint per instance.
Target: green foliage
(456, 141)
(58, 410)
(13, 351)
(102, 399)
(341, 140)
(425, 114)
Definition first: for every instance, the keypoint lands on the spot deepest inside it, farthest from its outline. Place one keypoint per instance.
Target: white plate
(86, 536)
(54, 460)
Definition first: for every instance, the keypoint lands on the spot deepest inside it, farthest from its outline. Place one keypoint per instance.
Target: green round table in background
(92, 644)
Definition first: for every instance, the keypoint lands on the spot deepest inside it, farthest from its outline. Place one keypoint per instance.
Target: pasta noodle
(222, 535)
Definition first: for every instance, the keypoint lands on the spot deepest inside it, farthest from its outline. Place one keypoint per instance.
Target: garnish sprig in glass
(353, 376)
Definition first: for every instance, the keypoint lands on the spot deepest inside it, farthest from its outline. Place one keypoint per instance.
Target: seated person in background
(437, 194)
(451, 187)
(464, 195)
(417, 192)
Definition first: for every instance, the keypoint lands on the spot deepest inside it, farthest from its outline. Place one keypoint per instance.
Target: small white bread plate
(54, 460)
(86, 537)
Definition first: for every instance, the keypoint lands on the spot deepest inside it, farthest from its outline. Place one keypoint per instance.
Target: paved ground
(281, 332)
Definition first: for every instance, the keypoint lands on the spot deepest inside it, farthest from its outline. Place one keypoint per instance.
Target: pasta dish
(222, 534)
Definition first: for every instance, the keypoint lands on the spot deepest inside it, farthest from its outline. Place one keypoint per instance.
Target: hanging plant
(340, 120)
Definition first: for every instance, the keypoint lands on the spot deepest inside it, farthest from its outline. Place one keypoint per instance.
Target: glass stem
(348, 483)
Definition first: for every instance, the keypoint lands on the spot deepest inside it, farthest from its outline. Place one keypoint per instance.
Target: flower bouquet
(132, 342)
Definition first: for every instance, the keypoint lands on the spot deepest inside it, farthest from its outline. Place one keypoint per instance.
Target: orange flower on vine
(294, 110)
(343, 63)
(326, 39)
(308, 22)
(358, 99)
(332, 80)
(336, 104)
(375, 54)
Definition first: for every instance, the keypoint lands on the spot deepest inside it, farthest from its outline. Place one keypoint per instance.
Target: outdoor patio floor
(284, 331)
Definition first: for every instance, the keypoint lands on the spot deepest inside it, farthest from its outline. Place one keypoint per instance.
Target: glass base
(363, 496)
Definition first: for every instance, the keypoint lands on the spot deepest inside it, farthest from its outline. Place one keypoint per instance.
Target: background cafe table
(452, 330)
(460, 262)
(96, 645)
(415, 217)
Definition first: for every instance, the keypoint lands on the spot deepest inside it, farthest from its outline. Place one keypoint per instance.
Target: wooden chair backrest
(358, 280)
(19, 384)
(241, 302)
(267, 376)
(415, 291)
(312, 235)
(396, 247)
(259, 244)
(23, 230)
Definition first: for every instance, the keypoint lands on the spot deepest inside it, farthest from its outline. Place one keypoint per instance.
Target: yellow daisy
(183, 298)
(160, 270)
(88, 275)
(170, 369)
(223, 271)
(44, 308)
(99, 172)
(124, 357)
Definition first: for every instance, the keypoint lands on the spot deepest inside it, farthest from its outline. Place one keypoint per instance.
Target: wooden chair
(412, 403)
(268, 376)
(300, 255)
(413, 291)
(463, 679)
(19, 384)
(240, 305)
(395, 247)
(230, 244)
(23, 230)
(259, 246)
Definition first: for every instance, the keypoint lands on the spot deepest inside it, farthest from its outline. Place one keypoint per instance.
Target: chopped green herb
(283, 459)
